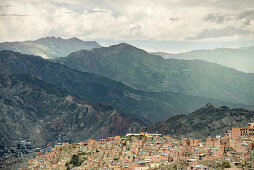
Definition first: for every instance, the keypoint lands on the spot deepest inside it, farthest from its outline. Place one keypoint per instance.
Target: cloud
(99, 11)
(223, 32)
(161, 20)
(174, 19)
(246, 14)
(14, 15)
(4, 6)
(215, 18)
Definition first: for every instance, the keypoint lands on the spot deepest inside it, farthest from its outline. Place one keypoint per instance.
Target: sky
(154, 25)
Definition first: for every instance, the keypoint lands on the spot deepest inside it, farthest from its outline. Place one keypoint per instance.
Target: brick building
(238, 132)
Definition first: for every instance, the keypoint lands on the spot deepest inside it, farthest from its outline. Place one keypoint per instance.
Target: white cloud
(176, 20)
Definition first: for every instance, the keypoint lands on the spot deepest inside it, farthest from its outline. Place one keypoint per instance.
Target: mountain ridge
(34, 109)
(144, 71)
(241, 59)
(49, 47)
(206, 121)
(147, 106)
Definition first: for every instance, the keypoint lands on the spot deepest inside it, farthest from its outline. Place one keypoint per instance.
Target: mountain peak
(50, 47)
(122, 45)
(208, 105)
(49, 39)
(74, 39)
(59, 39)
(123, 48)
(207, 108)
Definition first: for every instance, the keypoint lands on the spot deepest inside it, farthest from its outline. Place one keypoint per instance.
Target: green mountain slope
(49, 47)
(147, 106)
(204, 122)
(141, 70)
(241, 59)
(31, 108)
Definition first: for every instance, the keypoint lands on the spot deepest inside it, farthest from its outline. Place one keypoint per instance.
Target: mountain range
(50, 47)
(204, 122)
(147, 106)
(241, 59)
(144, 71)
(34, 109)
(98, 92)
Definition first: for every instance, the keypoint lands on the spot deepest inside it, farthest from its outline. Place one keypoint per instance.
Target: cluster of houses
(16, 152)
(143, 151)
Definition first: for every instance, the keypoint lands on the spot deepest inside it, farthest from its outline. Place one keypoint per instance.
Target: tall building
(251, 129)
(238, 132)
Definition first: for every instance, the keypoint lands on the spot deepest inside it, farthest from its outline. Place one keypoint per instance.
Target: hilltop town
(151, 151)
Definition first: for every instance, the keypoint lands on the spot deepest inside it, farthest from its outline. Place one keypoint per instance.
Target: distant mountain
(241, 59)
(204, 122)
(31, 108)
(146, 106)
(144, 71)
(50, 47)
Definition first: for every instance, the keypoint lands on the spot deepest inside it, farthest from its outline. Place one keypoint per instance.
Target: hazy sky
(156, 25)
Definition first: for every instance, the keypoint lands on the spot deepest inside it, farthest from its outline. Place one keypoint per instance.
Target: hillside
(204, 122)
(146, 106)
(31, 108)
(241, 59)
(141, 70)
(49, 47)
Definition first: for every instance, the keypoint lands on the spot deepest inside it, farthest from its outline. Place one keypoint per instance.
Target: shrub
(225, 165)
(75, 160)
